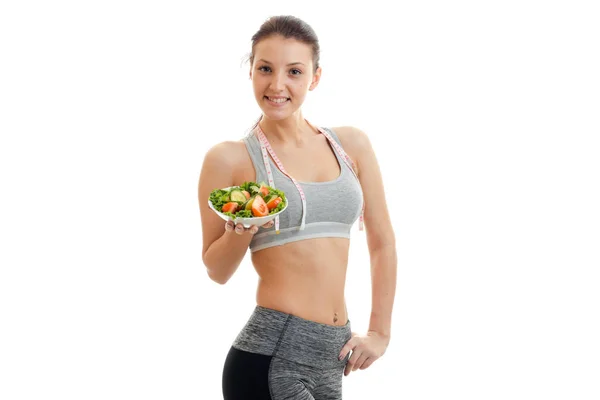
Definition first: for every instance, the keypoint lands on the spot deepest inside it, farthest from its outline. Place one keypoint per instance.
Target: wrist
(381, 333)
(380, 325)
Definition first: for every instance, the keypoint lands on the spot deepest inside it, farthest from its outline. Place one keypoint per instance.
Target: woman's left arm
(382, 249)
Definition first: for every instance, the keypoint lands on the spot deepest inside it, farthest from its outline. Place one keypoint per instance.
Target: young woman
(297, 343)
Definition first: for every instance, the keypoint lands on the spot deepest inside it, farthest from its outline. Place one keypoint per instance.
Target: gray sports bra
(332, 207)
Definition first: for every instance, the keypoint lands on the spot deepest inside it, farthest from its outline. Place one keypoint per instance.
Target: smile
(277, 101)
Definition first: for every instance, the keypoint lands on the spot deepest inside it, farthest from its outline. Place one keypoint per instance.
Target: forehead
(279, 50)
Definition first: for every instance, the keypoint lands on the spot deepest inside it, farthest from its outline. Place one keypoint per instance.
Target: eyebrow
(294, 63)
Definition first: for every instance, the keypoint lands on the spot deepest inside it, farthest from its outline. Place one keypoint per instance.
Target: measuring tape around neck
(265, 148)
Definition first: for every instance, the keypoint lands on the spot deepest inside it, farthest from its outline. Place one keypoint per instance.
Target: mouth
(277, 101)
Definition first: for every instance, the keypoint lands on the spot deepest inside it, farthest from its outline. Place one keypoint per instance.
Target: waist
(327, 314)
(315, 303)
(284, 335)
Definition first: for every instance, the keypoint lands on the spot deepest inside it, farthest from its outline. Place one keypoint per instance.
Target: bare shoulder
(226, 150)
(349, 134)
(228, 155)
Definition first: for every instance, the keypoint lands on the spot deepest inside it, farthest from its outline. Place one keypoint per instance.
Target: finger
(347, 370)
(253, 229)
(268, 224)
(350, 344)
(229, 226)
(356, 353)
(368, 363)
(239, 229)
(359, 363)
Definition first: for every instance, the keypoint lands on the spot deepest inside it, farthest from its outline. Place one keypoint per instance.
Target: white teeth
(277, 100)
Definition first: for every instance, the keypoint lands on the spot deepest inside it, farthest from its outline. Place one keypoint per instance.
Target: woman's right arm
(222, 249)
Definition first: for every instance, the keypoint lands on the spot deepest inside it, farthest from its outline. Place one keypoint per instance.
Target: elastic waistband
(275, 333)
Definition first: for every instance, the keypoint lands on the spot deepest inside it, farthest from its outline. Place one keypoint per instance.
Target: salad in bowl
(249, 204)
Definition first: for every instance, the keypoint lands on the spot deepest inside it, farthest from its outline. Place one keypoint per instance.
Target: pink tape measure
(266, 147)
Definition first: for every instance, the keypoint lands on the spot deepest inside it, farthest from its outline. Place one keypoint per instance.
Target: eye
(298, 72)
(262, 68)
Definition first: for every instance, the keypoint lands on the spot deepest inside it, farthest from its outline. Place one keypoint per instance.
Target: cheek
(302, 87)
(258, 86)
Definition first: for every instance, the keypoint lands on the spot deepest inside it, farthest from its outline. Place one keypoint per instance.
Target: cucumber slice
(237, 195)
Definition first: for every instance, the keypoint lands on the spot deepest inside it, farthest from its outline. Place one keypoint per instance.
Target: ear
(316, 79)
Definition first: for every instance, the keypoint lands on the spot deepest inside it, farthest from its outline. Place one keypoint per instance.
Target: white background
(484, 117)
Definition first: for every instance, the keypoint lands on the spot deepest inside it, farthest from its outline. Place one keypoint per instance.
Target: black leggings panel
(245, 376)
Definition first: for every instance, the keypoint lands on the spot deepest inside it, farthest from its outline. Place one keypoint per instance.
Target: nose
(277, 83)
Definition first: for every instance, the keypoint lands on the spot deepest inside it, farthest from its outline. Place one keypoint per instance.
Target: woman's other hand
(365, 350)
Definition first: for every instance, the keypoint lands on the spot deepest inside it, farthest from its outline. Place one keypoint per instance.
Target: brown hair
(289, 27)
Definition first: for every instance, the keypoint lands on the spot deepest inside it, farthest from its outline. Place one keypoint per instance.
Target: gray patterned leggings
(282, 356)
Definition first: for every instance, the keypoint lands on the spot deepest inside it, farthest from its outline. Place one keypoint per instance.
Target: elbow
(221, 280)
(214, 275)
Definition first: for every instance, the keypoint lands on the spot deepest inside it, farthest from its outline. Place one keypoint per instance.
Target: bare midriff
(305, 278)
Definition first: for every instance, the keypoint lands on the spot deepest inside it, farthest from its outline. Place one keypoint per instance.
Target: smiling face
(282, 73)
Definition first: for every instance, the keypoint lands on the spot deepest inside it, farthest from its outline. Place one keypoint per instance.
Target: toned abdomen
(305, 278)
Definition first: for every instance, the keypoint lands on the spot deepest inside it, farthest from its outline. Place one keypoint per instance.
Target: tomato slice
(231, 207)
(247, 194)
(273, 203)
(264, 191)
(259, 207)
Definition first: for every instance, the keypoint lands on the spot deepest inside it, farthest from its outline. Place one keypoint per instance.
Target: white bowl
(247, 222)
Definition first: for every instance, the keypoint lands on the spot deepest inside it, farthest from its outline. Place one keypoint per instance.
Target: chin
(277, 115)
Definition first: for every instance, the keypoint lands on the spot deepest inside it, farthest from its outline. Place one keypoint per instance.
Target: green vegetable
(237, 195)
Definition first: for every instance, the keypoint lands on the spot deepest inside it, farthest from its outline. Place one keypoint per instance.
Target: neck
(293, 130)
